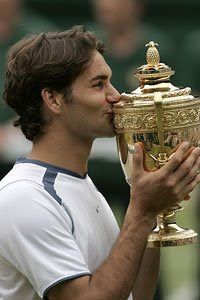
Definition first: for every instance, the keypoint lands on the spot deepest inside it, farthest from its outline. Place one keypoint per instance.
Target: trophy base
(176, 236)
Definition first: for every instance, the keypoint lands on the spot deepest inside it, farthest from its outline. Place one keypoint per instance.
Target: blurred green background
(178, 20)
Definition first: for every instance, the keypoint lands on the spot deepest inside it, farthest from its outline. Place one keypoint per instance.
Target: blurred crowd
(15, 22)
(123, 27)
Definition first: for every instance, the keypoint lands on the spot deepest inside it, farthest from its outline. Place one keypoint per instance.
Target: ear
(52, 99)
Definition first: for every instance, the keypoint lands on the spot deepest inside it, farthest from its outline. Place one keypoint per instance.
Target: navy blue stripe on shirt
(51, 167)
(62, 280)
(48, 182)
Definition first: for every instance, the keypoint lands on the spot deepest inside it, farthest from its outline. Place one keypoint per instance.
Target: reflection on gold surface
(161, 116)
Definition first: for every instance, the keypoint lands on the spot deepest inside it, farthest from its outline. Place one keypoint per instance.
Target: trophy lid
(153, 71)
(154, 77)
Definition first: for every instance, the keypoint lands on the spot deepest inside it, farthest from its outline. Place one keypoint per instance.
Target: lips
(109, 111)
(110, 115)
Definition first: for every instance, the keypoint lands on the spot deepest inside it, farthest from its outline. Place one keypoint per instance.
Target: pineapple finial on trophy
(152, 56)
(154, 71)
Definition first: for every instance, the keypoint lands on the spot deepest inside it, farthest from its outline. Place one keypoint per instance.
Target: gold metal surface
(161, 116)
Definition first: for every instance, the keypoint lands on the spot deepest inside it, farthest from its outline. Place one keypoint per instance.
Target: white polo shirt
(55, 225)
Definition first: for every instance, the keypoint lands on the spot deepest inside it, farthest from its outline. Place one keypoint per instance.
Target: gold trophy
(161, 116)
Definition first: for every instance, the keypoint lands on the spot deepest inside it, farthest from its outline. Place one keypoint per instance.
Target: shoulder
(26, 208)
(18, 184)
(23, 189)
(21, 198)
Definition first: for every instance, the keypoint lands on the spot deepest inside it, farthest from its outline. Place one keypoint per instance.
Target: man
(59, 239)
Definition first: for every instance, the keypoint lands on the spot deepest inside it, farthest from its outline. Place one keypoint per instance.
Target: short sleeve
(37, 237)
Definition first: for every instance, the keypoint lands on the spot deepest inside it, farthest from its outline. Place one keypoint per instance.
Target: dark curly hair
(49, 60)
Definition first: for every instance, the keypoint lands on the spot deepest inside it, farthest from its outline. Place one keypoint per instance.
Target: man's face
(89, 115)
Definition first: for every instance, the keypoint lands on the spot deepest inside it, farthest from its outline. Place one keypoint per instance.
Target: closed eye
(98, 85)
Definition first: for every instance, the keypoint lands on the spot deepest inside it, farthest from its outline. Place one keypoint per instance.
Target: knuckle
(170, 183)
(187, 167)
(191, 187)
(161, 175)
(191, 175)
(197, 152)
(176, 194)
(173, 190)
(198, 178)
(177, 159)
(194, 183)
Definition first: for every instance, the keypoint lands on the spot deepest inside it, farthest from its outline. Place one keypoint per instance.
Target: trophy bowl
(160, 116)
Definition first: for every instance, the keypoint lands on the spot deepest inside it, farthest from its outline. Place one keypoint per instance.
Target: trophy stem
(168, 233)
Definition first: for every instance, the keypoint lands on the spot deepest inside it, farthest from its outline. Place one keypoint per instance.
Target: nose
(113, 96)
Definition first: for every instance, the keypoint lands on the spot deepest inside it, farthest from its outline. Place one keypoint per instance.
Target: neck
(66, 152)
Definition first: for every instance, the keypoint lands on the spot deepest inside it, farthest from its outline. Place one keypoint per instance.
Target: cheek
(88, 109)
(93, 106)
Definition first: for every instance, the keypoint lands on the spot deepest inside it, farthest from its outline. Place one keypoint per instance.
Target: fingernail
(186, 145)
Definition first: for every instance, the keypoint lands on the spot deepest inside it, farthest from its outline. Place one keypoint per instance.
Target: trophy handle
(122, 148)
(158, 102)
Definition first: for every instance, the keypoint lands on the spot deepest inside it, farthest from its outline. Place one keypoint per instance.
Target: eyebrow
(101, 77)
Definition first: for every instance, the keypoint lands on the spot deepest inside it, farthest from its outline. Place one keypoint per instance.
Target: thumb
(138, 160)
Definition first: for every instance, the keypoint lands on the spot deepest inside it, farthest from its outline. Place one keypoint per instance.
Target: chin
(111, 132)
(108, 134)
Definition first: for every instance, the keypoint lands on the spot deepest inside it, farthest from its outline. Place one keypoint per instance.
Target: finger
(185, 156)
(189, 166)
(191, 174)
(187, 197)
(175, 149)
(144, 157)
(177, 158)
(138, 160)
(190, 187)
(172, 152)
(188, 153)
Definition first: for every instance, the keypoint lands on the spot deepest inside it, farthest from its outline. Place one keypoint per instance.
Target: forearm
(148, 275)
(118, 274)
(115, 278)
